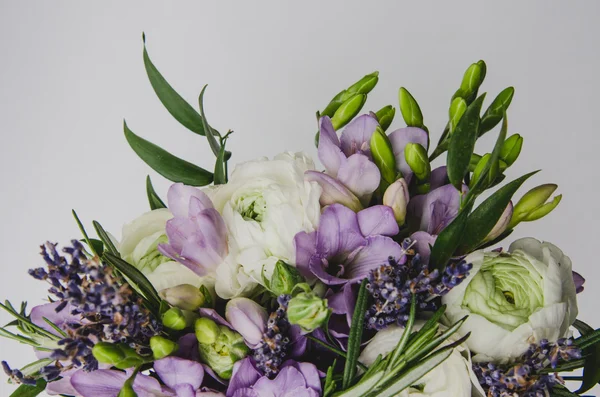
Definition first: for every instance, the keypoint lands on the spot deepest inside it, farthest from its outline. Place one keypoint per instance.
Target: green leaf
(355, 338)
(395, 355)
(137, 278)
(175, 104)
(30, 391)
(591, 369)
(153, 199)
(103, 235)
(171, 167)
(85, 235)
(495, 158)
(486, 215)
(582, 327)
(462, 143)
(210, 132)
(448, 240)
(494, 112)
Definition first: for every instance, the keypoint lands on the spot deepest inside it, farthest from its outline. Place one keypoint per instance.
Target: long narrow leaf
(448, 240)
(153, 198)
(30, 391)
(210, 136)
(103, 235)
(405, 335)
(356, 331)
(84, 233)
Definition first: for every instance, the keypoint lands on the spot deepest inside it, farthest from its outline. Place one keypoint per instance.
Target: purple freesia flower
(347, 245)
(248, 318)
(294, 380)
(399, 139)
(197, 234)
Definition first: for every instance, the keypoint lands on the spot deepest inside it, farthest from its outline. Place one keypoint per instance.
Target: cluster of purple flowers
(527, 377)
(107, 309)
(393, 284)
(270, 354)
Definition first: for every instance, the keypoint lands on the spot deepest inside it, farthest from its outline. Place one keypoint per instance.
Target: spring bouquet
(375, 274)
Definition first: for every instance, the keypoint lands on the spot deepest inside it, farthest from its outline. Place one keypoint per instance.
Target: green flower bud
(411, 112)
(511, 149)
(284, 279)
(475, 158)
(480, 167)
(174, 318)
(496, 110)
(533, 206)
(184, 296)
(346, 112)
(206, 330)
(308, 311)
(457, 109)
(383, 155)
(219, 347)
(132, 358)
(418, 161)
(162, 347)
(108, 353)
(362, 86)
(385, 116)
(127, 391)
(471, 81)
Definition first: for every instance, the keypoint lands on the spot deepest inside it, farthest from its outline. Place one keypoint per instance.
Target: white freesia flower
(453, 377)
(264, 205)
(514, 299)
(138, 246)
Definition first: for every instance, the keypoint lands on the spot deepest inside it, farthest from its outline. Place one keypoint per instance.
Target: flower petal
(356, 137)
(399, 139)
(378, 220)
(244, 376)
(248, 318)
(338, 234)
(174, 371)
(330, 154)
(178, 199)
(360, 175)
(108, 383)
(306, 245)
(375, 253)
(333, 191)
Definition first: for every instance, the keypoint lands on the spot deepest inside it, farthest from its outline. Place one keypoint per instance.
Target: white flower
(138, 246)
(453, 377)
(264, 205)
(514, 299)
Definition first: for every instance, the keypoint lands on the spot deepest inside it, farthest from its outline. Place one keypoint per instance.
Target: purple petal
(375, 253)
(184, 390)
(439, 177)
(48, 311)
(288, 379)
(188, 347)
(399, 139)
(174, 371)
(63, 385)
(356, 137)
(244, 376)
(333, 191)
(376, 220)
(248, 318)
(330, 154)
(308, 371)
(179, 196)
(343, 302)
(435, 210)
(306, 245)
(579, 281)
(423, 242)
(338, 234)
(108, 383)
(213, 315)
(360, 175)
(298, 341)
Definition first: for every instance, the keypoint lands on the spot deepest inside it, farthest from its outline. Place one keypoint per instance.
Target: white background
(71, 71)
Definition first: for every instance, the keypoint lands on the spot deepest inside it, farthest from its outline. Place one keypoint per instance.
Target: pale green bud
(411, 112)
(511, 149)
(162, 347)
(308, 311)
(175, 319)
(184, 296)
(418, 161)
(284, 279)
(346, 112)
(363, 86)
(481, 166)
(396, 197)
(385, 116)
(108, 353)
(127, 391)
(494, 113)
(383, 155)
(475, 158)
(471, 81)
(132, 358)
(532, 206)
(206, 330)
(457, 109)
(219, 347)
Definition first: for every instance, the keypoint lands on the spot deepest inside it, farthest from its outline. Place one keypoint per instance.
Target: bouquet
(374, 275)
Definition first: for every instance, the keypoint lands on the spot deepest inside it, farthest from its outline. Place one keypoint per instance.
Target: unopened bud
(383, 155)
(127, 391)
(502, 224)
(496, 110)
(108, 353)
(418, 161)
(174, 319)
(396, 196)
(457, 109)
(206, 330)
(511, 149)
(363, 86)
(219, 346)
(162, 347)
(481, 166)
(471, 81)
(533, 206)
(248, 318)
(385, 116)
(411, 112)
(346, 112)
(308, 311)
(284, 279)
(184, 296)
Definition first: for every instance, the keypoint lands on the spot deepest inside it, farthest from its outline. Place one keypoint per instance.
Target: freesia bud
(495, 112)
(411, 112)
(248, 318)
(118, 355)
(333, 191)
(346, 112)
(396, 196)
(184, 296)
(471, 81)
(363, 86)
(457, 109)
(178, 319)
(533, 206)
(308, 311)
(481, 165)
(284, 279)
(162, 347)
(511, 149)
(127, 391)
(502, 224)
(416, 157)
(219, 346)
(383, 155)
(385, 116)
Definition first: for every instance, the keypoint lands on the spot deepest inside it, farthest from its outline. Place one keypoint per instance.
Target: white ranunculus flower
(264, 205)
(453, 377)
(514, 299)
(138, 246)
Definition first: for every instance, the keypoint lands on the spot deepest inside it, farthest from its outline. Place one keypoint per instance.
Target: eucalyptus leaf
(30, 390)
(462, 143)
(171, 167)
(153, 198)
